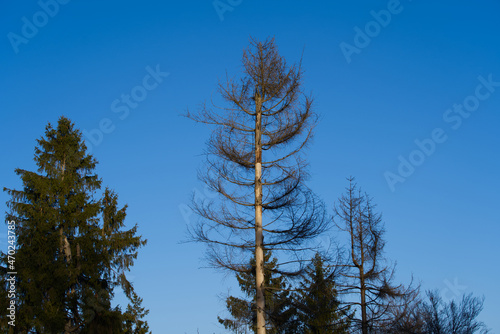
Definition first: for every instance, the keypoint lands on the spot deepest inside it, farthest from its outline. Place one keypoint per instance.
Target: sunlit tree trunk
(259, 237)
(266, 111)
(364, 320)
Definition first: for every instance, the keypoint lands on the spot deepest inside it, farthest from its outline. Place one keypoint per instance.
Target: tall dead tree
(254, 163)
(366, 274)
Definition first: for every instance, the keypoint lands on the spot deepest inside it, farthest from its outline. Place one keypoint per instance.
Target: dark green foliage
(4, 301)
(281, 315)
(71, 249)
(105, 321)
(318, 303)
(135, 312)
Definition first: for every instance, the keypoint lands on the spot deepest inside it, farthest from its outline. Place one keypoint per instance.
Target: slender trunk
(259, 237)
(65, 246)
(364, 321)
(361, 267)
(66, 250)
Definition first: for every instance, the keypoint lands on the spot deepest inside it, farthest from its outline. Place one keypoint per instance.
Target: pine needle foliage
(320, 310)
(281, 315)
(71, 246)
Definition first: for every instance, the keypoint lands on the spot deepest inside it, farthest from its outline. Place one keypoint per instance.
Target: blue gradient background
(442, 222)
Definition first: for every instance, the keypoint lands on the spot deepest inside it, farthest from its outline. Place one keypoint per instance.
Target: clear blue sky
(376, 93)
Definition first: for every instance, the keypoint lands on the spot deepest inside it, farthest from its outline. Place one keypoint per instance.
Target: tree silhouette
(367, 274)
(453, 317)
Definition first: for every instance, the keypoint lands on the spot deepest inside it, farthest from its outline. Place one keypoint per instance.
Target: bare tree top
(266, 100)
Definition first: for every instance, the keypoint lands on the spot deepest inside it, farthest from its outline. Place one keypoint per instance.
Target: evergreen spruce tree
(71, 249)
(135, 312)
(281, 315)
(318, 304)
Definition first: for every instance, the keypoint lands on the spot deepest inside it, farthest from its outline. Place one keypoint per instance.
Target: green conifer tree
(318, 303)
(135, 312)
(281, 315)
(71, 249)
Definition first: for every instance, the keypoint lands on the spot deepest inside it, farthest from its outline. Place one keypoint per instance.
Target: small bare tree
(366, 273)
(254, 163)
(453, 317)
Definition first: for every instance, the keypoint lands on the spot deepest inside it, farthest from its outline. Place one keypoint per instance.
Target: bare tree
(433, 316)
(254, 163)
(366, 273)
(405, 316)
(453, 317)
